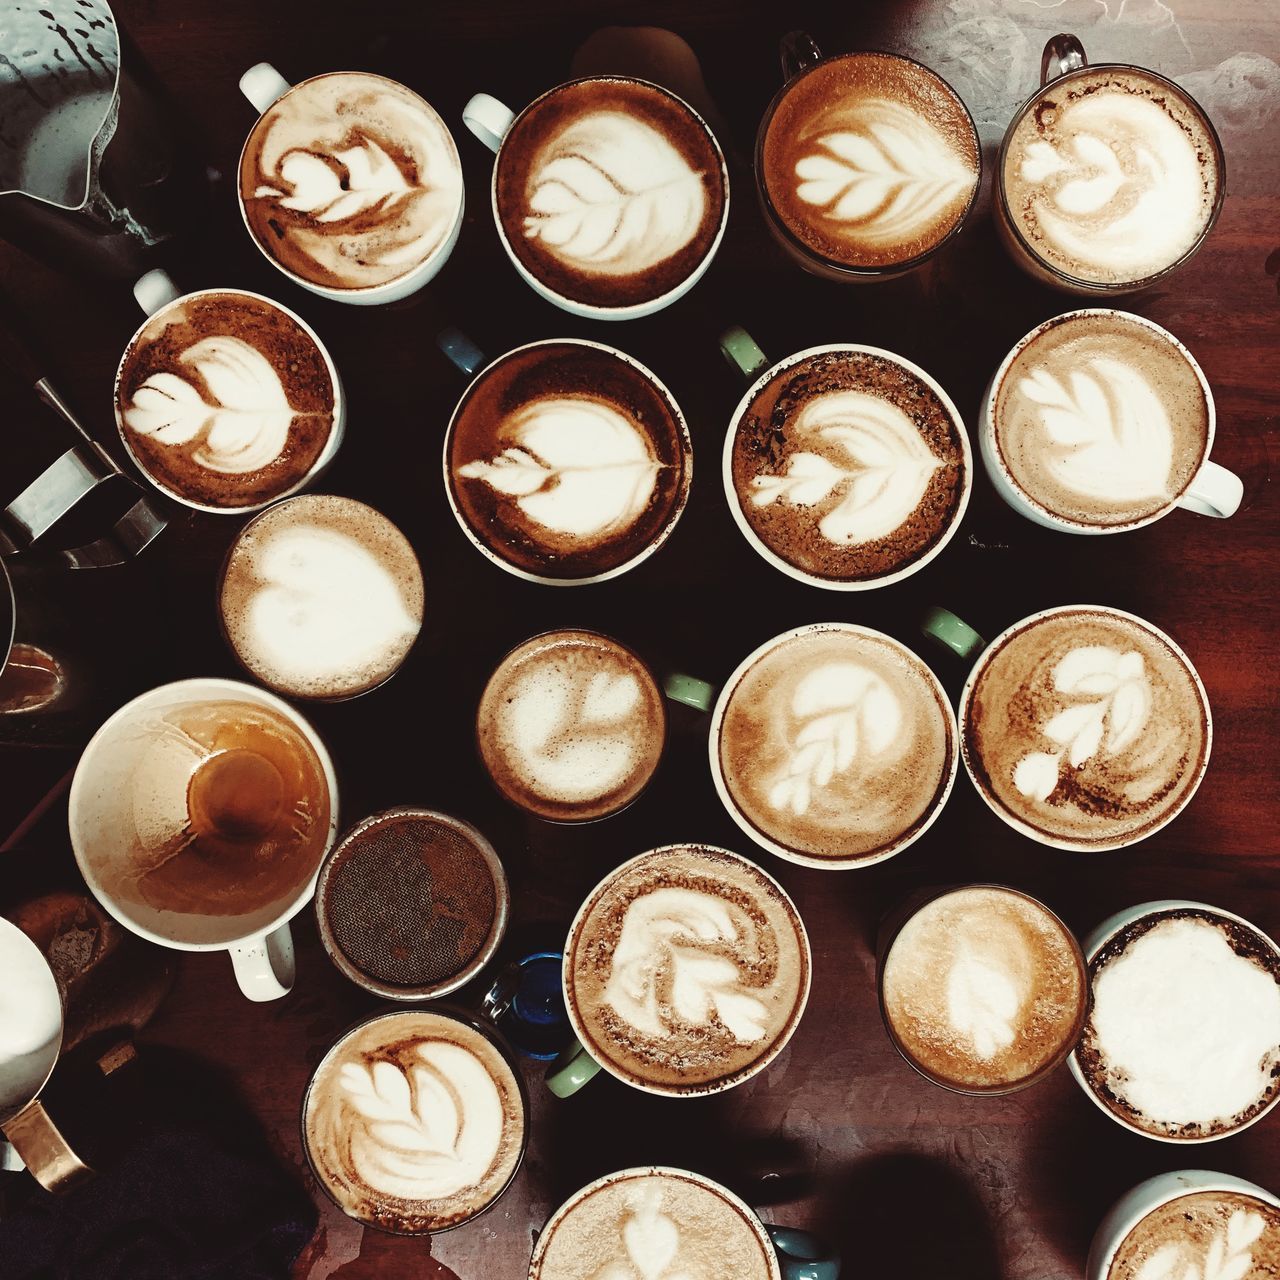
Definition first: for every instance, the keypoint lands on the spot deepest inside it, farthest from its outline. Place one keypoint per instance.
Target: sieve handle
(264, 966)
(573, 1069)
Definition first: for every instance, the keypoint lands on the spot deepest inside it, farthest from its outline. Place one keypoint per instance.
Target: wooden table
(909, 1180)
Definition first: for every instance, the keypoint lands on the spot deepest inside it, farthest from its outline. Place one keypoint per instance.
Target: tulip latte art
(414, 1122)
(686, 970)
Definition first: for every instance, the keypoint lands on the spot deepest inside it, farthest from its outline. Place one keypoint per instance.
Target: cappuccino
(834, 745)
(610, 192)
(686, 971)
(1086, 727)
(869, 161)
(644, 1223)
(847, 466)
(414, 1122)
(571, 726)
(566, 461)
(350, 181)
(1110, 176)
(225, 400)
(1183, 1036)
(321, 597)
(983, 989)
(1101, 419)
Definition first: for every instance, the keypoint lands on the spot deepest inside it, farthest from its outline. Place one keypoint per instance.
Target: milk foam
(1184, 1032)
(1208, 1235)
(30, 1018)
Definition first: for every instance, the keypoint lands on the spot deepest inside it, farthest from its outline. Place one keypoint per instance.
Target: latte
(351, 181)
(847, 466)
(321, 597)
(611, 192)
(869, 161)
(686, 971)
(1086, 727)
(645, 1223)
(571, 726)
(983, 989)
(414, 1122)
(1200, 1236)
(226, 400)
(834, 745)
(1110, 176)
(566, 460)
(1101, 419)
(1183, 1036)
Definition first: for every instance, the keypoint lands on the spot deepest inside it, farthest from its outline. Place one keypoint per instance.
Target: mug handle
(155, 290)
(39, 1144)
(1215, 491)
(488, 119)
(742, 351)
(265, 966)
(573, 1069)
(262, 84)
(465, 355)
(1062, 53)
(798, 52)
(690, 691)
(802, 1255)
(951, 632)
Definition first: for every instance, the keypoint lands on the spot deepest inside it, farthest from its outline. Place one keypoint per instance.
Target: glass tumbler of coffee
(1110, 176)
(866, 163)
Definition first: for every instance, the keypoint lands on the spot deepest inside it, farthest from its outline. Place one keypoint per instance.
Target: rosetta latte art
(1227, 1256)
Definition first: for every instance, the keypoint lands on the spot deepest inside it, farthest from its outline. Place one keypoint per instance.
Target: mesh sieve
(412, 903)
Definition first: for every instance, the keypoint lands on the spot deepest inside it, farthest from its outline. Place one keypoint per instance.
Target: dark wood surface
(907, 1179)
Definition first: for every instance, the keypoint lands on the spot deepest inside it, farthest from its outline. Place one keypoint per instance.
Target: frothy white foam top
(1188, 1031)
(609, 195)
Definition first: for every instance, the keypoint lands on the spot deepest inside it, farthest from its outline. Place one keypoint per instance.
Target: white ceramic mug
(259, 942)
(263, 85)
(1213, 491)
(1151, 1195)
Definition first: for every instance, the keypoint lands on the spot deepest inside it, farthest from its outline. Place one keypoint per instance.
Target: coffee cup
(610, 193)
(350, 184)
(1182, 1040)
(866, 163)
(226, 400)
(1190, 1222)
(656, 1220)
(1119, 733)
(852, 486)
(1110, 176)
(566, 462)
(1100, 421)
(173, 801)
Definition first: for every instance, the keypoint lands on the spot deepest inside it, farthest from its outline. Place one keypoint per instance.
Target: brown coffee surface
(870, 160)
(1086, 726)
(836, 744)
(1204, 1234)
(571, 726)
(1101, 420)
(414, 1122)
(983, 988)
(225, 400)
(568, 461)
(686, 969)
(611, 192)
(625, 1227)
(847, 466)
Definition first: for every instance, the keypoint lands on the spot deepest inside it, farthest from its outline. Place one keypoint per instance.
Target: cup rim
(454, 1014)
(989, 423)
(336, 293)
(53, 1049)
(759, 382)
(547, 634)
(593, 311)
(1092, 946)
(749, 1215)
(336, 425)
(1027, 829)
(767, 842)
(1064, 278)
(793, 241)
(283, 691)
(907, 912)
(489, 948)
(166, 693)
(711, 1087)
(659, 539)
